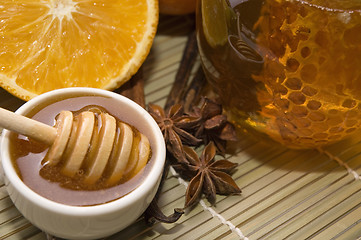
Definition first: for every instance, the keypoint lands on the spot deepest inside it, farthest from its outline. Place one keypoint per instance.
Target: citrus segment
(53, 44)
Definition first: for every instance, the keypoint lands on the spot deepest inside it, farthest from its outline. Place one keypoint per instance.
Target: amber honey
(289, 69)
(28, 157)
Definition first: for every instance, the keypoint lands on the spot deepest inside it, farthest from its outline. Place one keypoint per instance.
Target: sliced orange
(51, 44)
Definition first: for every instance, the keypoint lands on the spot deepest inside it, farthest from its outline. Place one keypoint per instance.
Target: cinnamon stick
(194, 89)
(134, 88)
(185, 68)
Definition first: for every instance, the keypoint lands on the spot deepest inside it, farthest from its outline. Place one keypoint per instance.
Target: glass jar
(290, 69)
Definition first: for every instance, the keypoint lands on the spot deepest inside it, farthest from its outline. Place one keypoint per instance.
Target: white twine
(214, 214)
(341, 163)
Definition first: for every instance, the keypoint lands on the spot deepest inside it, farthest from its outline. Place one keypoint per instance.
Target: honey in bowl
(29, 157)
(289, 69)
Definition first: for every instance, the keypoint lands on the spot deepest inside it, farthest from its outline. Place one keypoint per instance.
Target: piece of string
(214, 214)
(340, 162)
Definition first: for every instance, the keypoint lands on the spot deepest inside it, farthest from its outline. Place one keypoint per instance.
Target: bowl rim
(139, 192)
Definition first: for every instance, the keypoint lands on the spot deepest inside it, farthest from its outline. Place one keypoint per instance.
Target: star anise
(172, 126)
(209, 176)
(211, 125)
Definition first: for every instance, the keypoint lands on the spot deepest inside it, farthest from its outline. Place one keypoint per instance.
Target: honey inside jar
(289, 69)
(29, 159)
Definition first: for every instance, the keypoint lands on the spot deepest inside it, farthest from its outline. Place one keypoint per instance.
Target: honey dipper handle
(27, 126)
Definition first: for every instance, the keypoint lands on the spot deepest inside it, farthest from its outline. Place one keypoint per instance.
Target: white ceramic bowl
(86, 222)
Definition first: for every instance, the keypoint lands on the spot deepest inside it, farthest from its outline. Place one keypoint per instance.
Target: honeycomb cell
(297, 98)
(305, 52)
(302, 33)
(333, 111)
(320, 136)
(279, 89)
(305, 132)
(340, 89)
(334, 137)
(307, 141)
(292, 65)
(322, 39)
(317, 116)
(299, 111)
(286, 124)
(286, 134)
(282, 103)
(293, 83)
(293, 44)
(349, 103)
(313, 105)
(309, 91)
(350, 130)
(351, 56)
(321, 60)
(302, 122)
(334, 120)
(351, 114)
(275, 69)
(352, 36)
(350, 123)
(336, 130)
(308, 73)
(319, 127)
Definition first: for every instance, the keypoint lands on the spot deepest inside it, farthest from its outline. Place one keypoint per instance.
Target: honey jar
(290, 69)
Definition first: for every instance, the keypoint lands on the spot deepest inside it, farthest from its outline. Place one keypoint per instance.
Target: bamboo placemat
(286, 194)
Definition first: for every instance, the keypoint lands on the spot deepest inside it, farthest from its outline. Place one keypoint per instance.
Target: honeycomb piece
(313, 97)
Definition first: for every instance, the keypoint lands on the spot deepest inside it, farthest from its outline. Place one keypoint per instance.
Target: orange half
(51, 44)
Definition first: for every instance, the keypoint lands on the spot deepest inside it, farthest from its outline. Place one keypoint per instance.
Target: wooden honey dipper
(88, 140)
